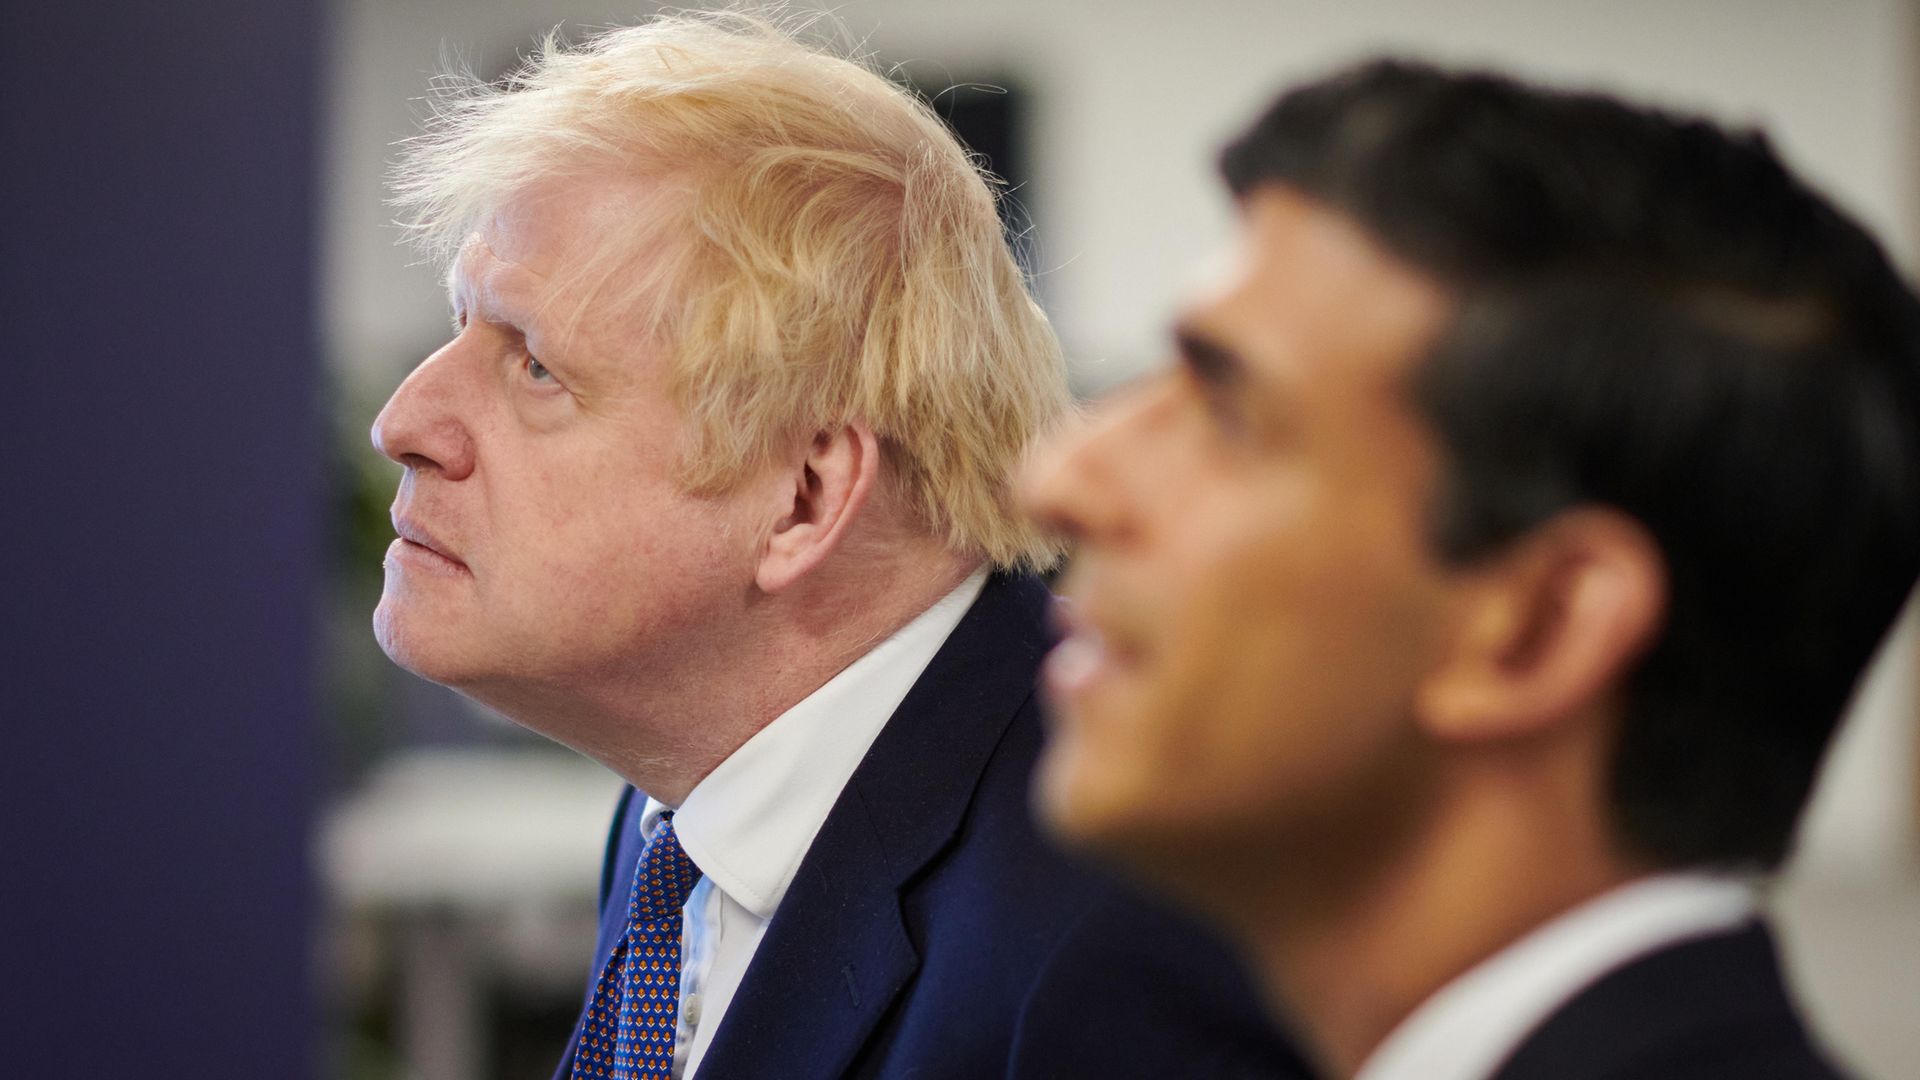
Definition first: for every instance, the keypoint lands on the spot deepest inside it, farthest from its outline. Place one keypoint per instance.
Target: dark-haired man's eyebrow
(1221, 376)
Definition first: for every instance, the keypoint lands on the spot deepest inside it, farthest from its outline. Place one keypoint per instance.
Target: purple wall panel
(160, 490)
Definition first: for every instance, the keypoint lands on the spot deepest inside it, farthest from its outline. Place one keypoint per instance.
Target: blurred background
(298, 860)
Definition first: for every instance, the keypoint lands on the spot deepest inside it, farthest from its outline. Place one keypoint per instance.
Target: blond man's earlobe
(1547, 628)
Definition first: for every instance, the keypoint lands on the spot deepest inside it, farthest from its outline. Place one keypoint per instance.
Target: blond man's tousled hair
(831, 253)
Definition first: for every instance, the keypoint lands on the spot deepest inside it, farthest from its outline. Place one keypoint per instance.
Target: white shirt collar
(748, 824)
(1471, 1026)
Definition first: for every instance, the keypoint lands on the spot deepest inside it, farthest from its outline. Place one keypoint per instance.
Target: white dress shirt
(751, 821)
(1470, 1026)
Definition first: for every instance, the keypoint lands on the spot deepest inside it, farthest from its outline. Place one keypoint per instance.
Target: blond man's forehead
(566, 250)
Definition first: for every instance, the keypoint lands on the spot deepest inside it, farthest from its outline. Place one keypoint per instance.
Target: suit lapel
(838, 951)
(622, 861)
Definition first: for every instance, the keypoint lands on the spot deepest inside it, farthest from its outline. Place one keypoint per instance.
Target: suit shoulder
(1713, 1007)
(1118, 984)
(1091, 978)
(1134, 988)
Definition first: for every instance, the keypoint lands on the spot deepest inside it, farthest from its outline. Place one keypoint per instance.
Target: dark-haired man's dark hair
(1656, 316)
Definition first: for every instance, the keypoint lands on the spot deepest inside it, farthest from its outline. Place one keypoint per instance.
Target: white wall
(1132, 102)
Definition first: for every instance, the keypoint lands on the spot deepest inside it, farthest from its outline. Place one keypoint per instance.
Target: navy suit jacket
(930, 933)
(1715, 1008)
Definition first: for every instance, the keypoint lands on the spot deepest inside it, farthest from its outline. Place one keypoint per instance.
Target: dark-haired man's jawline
(1456, 620)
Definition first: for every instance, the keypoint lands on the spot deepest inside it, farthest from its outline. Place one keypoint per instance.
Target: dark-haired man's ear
(1547, 628)
(827, 487)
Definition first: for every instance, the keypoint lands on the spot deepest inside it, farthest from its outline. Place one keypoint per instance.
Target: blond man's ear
(825, 490)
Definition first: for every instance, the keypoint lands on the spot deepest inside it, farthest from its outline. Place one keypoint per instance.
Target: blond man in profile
(711, 484)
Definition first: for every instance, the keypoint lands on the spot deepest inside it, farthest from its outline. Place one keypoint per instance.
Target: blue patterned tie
(636, 1004)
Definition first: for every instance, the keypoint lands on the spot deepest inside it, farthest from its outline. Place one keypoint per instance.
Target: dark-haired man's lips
(1080, 658)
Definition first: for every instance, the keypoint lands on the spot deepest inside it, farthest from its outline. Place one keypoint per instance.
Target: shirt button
(691, 1010)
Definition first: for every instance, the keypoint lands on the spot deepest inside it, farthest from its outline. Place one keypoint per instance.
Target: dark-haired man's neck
(1495, 863)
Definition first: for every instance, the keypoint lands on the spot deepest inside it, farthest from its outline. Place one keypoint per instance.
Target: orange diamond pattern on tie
(636, 1003)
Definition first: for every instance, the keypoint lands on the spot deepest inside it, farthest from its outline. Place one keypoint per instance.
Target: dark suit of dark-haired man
(1463, 618)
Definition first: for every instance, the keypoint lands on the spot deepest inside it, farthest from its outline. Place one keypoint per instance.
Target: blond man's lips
(421, 540)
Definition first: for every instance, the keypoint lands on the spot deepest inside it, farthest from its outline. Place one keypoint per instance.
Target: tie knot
(665, 877)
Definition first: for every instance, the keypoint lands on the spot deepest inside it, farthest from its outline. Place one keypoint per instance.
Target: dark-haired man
(1462, 619)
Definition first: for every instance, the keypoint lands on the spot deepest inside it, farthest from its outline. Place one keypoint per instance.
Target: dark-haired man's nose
(1074, 483)
(420, 427)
